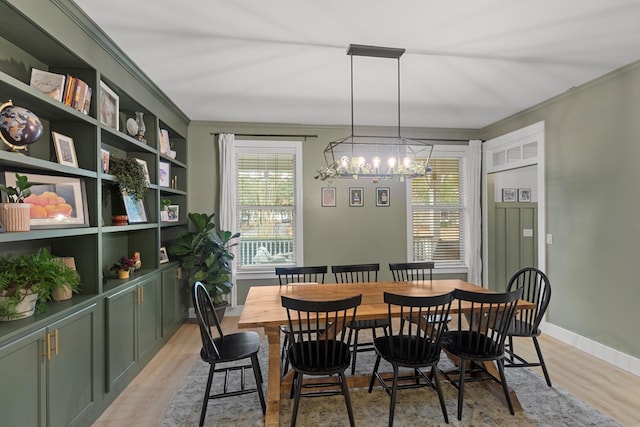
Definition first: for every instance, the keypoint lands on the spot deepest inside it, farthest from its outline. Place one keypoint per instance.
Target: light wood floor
(609, 389)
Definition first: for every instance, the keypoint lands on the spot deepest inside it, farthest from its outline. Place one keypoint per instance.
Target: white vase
(15, 216)
(25, 308)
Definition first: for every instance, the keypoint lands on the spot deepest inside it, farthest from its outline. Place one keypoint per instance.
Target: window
(268, 198)
(436, 211)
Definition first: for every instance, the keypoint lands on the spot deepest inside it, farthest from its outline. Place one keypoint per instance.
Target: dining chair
(483, 320)
(360, 273)
(414, 345)
(536, 288)
(299, 276)
(222, 349)
(320, 346)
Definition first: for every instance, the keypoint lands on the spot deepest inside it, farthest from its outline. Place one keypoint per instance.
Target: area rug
(542, 405)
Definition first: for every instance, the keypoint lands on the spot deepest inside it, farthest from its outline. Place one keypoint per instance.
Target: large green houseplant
(205, 254)
(30, 276)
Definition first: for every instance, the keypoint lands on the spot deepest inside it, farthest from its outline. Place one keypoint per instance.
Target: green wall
(339, 235)
(592, 175)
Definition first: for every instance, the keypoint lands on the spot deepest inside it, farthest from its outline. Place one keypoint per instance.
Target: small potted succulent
(123, 267)
(15, 213)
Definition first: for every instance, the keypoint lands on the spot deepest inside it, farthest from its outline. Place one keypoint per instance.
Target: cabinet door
(170, 301)
(22, 371)
(121, 333)
(71, 373)
(148, 315)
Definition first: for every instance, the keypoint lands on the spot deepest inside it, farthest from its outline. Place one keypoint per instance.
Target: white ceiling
(468, 63)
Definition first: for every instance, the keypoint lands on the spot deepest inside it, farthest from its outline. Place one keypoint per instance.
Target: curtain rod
(269, 135)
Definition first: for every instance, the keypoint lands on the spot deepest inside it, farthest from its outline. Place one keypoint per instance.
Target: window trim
(266, 271)
(440, 151)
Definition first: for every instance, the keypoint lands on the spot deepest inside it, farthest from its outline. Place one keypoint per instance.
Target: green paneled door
(148, 315)
(121, 333)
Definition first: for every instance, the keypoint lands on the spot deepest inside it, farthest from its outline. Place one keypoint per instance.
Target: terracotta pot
(123, 274)
(15, 216)
(62, 294)
(25, 308)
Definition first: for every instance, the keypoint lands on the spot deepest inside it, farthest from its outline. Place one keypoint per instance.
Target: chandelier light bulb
(392, 162)
(406, 162)
(361, 161)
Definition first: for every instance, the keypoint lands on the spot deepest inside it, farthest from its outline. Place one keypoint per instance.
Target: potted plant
(130, 176)
(164, 204)
(29, 281)
(123, 267)
(15, 214)
(205, 254)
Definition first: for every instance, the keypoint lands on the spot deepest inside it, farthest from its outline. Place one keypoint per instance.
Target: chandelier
(375, 157)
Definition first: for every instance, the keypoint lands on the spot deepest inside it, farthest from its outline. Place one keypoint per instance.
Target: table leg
(272, 417)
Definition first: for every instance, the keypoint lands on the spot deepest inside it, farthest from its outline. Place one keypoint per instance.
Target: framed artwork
(135, 209)
(109, 106)
(164, 258)
(508, 194)
(173, 213)
(383, 196)
(65, 150)
(328, 197)
(356, 196)
(164, 172)
(56, 201)
(104, 160)
(524, 194)
(145, 169)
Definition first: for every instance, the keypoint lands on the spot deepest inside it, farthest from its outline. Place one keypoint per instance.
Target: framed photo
(146, 170)
(173, 213)
(65, 150)
(328, 197)
(524, 194)
(135, 209)
(104, 160)
(356, 196)
(109, 106)
(164, 172)
(56, 201)
(164, 258)
(508, 194)
(383, 196)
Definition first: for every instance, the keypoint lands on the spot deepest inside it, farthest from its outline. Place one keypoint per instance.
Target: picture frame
(173, 213)
(164, 257)
(328, 197)
(164, 174)
(109, 106)
(104, 160)
(356, 196)
(63, 206)
(524, 195)
(508, 195)
(383, 196)
(136, 213)
(145, 169)
(65, 149)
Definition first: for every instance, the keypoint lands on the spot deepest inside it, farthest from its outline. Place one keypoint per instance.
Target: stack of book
(67, 89)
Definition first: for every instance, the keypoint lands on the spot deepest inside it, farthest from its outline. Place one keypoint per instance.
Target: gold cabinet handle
(141, 295)
(55, 341)
(48, 344)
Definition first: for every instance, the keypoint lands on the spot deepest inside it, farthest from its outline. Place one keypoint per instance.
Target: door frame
(522, 147)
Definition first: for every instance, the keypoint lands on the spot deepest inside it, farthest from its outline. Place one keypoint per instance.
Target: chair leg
(510, 348)
(207, 391)
(436, 378)
(294, 415)
(347, 399)
(394, 390)
(461, 389)
(293, 385)
(284, 356)
(373, 375)
(505, 387)
(258, 375)
(541, 359)
(355, 352)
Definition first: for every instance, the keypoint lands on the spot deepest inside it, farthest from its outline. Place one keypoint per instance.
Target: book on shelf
(51, 84)
(165, 144)
(77, 94)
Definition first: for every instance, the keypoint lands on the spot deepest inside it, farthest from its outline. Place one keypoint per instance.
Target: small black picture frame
(509, 195)
(356, 196)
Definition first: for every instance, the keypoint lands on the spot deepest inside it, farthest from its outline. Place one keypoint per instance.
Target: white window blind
(266, 208)
(437, 214)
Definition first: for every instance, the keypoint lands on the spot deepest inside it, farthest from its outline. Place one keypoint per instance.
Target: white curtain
(227, 218)
(474, 213)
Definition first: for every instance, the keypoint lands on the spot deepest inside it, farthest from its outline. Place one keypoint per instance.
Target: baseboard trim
(610, 355)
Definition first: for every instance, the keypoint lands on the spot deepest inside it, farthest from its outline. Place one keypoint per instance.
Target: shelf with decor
(43, 44)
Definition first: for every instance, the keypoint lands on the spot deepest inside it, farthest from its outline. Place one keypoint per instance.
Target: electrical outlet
(549, 239)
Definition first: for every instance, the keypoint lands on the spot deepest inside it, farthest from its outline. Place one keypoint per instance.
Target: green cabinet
(133, 328)
(174, 299)
(55, 367)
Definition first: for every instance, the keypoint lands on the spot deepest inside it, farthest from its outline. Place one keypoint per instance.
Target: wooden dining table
(263, 309)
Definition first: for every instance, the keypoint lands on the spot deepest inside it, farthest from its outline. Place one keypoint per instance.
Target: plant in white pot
(205, 254)
(28, 281)
(15, 213)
